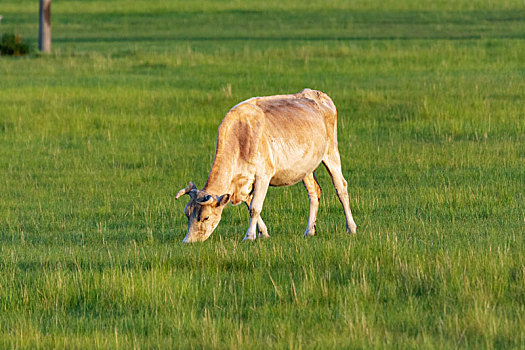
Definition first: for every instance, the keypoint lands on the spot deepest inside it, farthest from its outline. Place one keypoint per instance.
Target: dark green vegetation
(13, 45)
(96, 139)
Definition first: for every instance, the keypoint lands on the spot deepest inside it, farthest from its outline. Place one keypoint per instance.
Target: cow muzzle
(192, 236)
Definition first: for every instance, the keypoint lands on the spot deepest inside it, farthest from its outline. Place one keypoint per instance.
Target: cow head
(203, 211)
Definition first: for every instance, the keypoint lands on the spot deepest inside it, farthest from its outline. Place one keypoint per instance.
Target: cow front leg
(260, 188)
(314, 193)
(261, 226)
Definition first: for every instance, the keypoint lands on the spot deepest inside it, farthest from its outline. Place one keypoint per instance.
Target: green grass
(96, 139)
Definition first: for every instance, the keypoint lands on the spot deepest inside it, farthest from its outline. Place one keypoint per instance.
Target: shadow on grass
(160, 38)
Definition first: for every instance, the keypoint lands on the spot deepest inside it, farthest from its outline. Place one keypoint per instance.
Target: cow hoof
(249, 238)
(309, 234)
(264, 235)
(352, 230)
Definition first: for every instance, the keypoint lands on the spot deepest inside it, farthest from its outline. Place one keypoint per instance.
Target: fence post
(44, 32)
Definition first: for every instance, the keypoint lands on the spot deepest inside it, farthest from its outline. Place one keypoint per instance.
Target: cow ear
(223, 200)
(206, 200)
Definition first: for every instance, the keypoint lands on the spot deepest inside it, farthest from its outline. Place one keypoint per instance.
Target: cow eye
(206, 218)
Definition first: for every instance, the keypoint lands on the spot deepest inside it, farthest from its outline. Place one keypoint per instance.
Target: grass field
(96, 139)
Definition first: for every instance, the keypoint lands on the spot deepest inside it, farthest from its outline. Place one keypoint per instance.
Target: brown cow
(268, 141)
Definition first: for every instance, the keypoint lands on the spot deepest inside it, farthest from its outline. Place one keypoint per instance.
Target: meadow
(96, 139)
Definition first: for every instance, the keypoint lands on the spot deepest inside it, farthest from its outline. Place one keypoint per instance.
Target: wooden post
(44, 33)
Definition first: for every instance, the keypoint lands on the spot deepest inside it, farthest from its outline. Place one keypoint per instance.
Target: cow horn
(188, 190)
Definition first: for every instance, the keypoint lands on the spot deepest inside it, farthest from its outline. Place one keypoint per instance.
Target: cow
(268, 141)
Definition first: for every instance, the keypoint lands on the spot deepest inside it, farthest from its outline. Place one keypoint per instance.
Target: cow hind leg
(314, 193)
(332, 162)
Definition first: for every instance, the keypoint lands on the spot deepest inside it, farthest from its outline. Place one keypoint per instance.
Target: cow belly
(289, 177)
(292, 165)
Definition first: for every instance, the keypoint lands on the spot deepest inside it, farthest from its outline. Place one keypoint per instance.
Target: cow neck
(220, 177)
